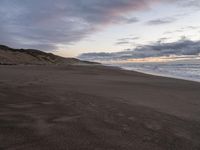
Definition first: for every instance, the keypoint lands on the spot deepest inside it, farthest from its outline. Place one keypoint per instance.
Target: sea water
(179, 70)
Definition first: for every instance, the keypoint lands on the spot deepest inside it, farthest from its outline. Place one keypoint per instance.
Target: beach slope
(96, 108)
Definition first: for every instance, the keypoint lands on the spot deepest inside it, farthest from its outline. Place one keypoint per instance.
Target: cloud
(131, 20)
(191, 27)
(182, 30)
(191, 3)
(48, 23)
(122, 42)
(161, 21)
(128, 40)
(182, 47)
(122, 19)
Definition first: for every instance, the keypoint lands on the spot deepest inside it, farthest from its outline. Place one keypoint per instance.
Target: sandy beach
(62, 107)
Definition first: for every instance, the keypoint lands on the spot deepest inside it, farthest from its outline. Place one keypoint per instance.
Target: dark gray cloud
(122, 42)
(182, 47)
(126, 20)
(163, 38)
(161, 21)
(47, 23)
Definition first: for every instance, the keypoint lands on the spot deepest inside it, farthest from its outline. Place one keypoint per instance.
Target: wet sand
(96, 108)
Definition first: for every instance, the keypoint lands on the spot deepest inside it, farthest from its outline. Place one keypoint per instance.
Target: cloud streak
(161, 21)
(128, 40)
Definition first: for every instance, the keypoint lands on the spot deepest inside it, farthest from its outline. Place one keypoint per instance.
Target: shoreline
(117, 67)
(156, 74)
(162, 75)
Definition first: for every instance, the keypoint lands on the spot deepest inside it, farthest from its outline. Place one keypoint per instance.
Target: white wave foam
(186, 71)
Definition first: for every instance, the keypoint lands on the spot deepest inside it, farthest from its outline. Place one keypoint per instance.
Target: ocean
(187, 70)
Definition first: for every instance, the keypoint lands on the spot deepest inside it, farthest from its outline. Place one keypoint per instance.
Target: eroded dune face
(10, 56)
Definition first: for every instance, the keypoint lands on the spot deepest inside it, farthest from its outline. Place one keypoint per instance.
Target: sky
(104, 29)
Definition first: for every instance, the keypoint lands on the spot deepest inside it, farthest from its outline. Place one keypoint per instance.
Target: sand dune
(11, 56)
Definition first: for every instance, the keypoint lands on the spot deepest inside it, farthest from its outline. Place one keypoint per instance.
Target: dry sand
(96, 108)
